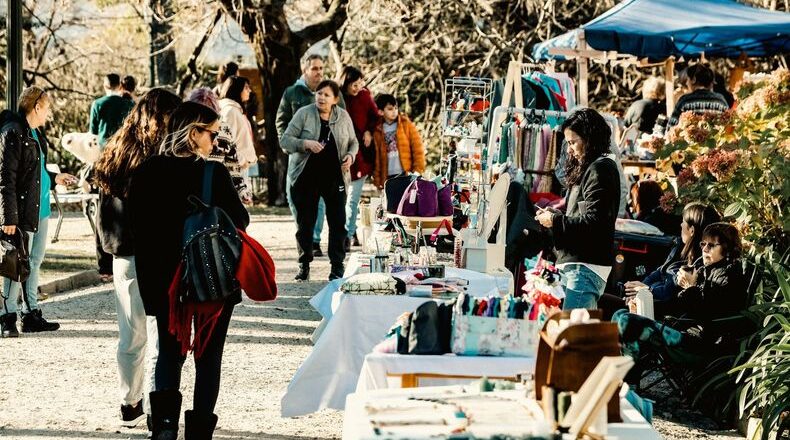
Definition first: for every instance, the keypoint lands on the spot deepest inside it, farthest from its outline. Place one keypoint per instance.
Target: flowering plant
(738, 162)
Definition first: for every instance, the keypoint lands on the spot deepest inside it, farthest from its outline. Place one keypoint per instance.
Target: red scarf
(256, 275)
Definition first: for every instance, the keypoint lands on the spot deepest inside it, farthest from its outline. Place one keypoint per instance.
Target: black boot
(33, 322)
(336, 271)
(199, 426)
(165, 412)
(347, 245)
(355, 240)
(317, 250)
(304, 272)
(8, 326)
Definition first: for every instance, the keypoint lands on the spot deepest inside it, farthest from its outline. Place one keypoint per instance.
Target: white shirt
(233, 117)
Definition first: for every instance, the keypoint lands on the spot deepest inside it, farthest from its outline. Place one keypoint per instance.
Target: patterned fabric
(483, 336)
(370, 284)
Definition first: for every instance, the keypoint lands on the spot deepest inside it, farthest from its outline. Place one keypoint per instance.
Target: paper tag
(413, 196)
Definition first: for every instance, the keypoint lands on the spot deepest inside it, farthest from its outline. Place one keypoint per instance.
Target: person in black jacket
(583, 237)
(24, 202)
(701, 98)
(716, 291)
(138, 139)
(158, 207)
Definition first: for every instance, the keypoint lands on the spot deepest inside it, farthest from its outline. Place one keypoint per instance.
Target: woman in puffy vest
(158, 205)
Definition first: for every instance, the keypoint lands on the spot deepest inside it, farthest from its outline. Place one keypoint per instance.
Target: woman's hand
(632, 287)
(9, 229)
(686, 279)
(66, 179)
(347, 161)
(367, 138)
(313, 146)
(545, 218)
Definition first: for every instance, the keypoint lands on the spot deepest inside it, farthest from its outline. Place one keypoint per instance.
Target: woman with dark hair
(158, 202)
(321, 146)
(25, 184)
(233, 96)
(364, 114)
(584, 235)
(717, 290)
(225, 71)
(662, 282)
(701, 98)
(646, 200)
(137, 140)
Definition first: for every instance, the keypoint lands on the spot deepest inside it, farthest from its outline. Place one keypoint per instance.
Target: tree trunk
(163, 59)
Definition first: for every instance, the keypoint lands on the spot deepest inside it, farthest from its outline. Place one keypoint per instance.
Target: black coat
(585, 233)
(157, 209)
(115, 232)
(20, 172)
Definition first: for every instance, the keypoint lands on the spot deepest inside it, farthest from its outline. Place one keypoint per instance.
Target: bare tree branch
(192, 73)
(336, 16)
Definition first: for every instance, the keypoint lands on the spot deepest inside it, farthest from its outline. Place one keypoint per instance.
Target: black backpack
(211, 248)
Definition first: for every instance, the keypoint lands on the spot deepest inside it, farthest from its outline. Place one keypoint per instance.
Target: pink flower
(700, 166)
(668, 201)
(722, 164)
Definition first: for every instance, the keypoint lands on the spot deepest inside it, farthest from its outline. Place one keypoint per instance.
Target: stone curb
(74, 281)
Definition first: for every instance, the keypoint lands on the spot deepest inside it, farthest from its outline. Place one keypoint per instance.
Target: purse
(445, 200)
(419, 200)
(488, 336)
(444, 244)
(394, 189)
(14, 257)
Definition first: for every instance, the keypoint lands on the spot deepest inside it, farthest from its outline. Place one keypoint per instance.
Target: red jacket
(364, 114)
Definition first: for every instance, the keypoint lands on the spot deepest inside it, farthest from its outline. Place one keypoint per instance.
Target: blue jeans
(37, 243)
(352, 205)
(319, 220)
(582, 287)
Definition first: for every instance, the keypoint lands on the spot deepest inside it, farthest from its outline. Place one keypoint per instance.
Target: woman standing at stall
(583, 236)
(158, 201)
(364, 115)
(321, 145)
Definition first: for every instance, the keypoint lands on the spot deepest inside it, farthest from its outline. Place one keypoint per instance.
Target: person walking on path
(25, 184)
(301, 94)
(159, 206)
(234, 95)
(364, 115)
(138, 139)
(321, 145)
(584, 235)
(106, 117)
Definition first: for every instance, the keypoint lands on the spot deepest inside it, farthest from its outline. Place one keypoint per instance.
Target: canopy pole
(582, 62)
(669, 84)
(14, 54)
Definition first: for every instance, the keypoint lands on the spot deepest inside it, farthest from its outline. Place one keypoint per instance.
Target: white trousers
(138, 340)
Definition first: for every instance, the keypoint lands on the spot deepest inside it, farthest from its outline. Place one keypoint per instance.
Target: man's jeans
(352, 205)
(319, 220)
(582, 287)
(37, 244)
(138, 340)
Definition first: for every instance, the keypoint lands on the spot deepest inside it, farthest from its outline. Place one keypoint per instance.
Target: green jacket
(295, 97)
(107, 115)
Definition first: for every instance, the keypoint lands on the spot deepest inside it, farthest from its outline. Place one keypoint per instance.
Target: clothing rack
(501, 112)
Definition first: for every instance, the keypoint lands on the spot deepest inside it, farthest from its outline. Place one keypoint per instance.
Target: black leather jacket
(20, 172)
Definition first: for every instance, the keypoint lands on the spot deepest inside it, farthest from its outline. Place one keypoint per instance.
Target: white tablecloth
(377, 366)
(357, 427)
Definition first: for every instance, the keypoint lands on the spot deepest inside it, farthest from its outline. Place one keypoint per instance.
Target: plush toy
(85, 147)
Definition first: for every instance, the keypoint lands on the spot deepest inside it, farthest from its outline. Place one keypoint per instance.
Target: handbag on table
(420, 199)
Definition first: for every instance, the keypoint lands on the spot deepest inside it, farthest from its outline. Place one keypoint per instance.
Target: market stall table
(357, 426)
(378, 369)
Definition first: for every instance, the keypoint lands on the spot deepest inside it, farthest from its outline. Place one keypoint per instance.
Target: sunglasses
(706, 245)
(212, 134)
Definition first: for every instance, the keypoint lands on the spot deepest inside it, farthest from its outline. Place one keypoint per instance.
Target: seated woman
(646, 203)
(717, 290)
(662, 282)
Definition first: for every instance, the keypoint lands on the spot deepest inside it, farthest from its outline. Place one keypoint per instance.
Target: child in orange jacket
(398, 145)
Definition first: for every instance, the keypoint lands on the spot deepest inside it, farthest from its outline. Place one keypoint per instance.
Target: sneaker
(317, 250)
(33, 322)
(336, 272)
(303, 274)
(8, 326)
(131, 415)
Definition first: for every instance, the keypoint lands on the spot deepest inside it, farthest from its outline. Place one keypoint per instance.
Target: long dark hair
(226, 71)
(187, 117)
(348, 76)
(138, 139)
(232, 88)
(596, 135)
(699, 216)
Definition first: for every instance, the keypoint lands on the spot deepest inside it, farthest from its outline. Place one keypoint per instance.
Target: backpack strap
(208, 174)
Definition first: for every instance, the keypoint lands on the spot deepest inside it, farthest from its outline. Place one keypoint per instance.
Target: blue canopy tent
(668, 29)
(658, 29)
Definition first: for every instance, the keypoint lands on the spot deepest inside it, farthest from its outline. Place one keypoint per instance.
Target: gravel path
(63, 385)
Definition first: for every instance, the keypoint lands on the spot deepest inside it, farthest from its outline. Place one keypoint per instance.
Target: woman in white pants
(138, 139)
